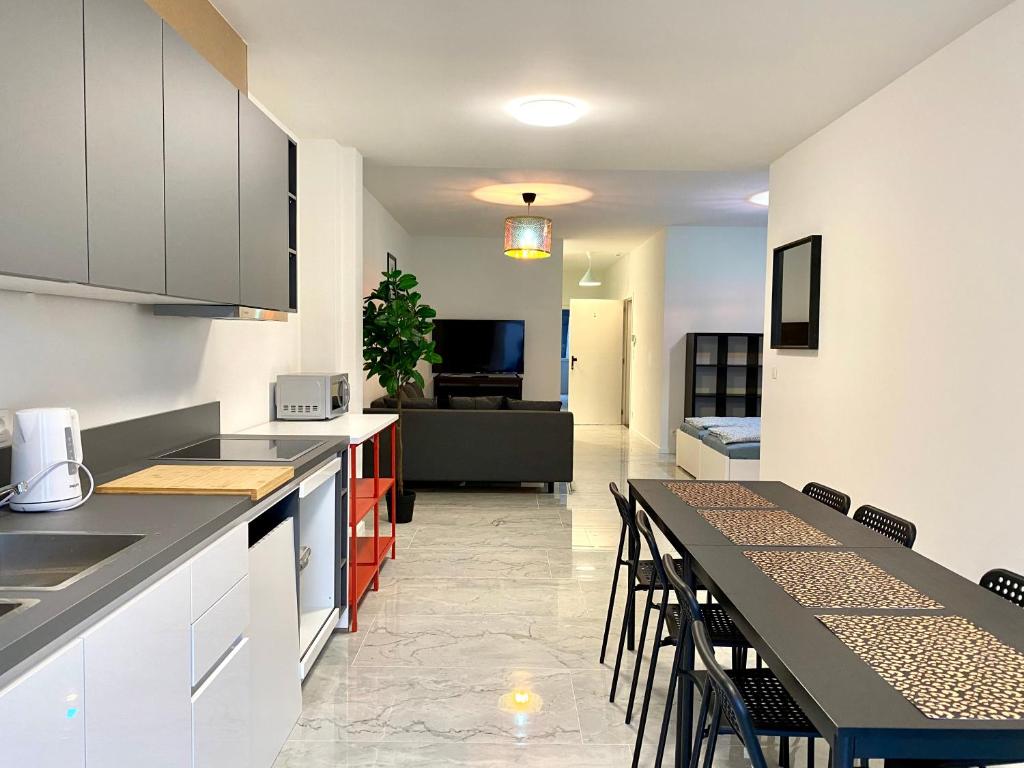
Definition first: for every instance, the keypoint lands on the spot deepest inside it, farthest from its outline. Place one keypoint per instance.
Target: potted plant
(396, 331)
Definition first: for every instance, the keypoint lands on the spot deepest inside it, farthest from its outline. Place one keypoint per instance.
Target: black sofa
(497, 446)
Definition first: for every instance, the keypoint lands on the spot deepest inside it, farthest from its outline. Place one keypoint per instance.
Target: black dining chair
(643, 576)
(830, 497)
(745, 702)
(722, 632)
(1007, 584)
(889, 525)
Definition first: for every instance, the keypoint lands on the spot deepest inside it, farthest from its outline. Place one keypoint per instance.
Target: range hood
(219, 312)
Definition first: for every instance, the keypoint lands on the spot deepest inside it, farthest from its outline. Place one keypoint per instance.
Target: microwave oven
(311, 396)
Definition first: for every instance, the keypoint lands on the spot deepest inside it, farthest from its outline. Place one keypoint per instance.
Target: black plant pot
(406, 502)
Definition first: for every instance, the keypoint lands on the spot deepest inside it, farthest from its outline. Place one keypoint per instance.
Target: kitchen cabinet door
(221, 713)
(125, 141)
(42, 721)
(263, 212)
(42, 140)
(201, 176)
(137, 680)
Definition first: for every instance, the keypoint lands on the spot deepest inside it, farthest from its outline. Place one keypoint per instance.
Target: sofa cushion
(534, 405)
(412, 391)
(488, 403)
(407, 402)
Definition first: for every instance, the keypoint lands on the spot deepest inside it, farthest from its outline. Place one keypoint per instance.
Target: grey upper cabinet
(200, 176)
(125, 141)
(263, 212)
(42, 140)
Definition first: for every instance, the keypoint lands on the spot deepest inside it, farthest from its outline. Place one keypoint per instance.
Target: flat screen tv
(480, 346)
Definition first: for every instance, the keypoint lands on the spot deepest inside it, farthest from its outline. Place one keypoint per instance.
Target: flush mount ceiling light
(546, 111)
(761, 198)
(528, 237)
(588, 281)
(547, 193)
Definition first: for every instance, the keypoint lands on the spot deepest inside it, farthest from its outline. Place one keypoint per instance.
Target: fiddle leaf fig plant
(396, 337)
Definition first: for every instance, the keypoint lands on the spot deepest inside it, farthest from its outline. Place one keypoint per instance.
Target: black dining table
(854, 709)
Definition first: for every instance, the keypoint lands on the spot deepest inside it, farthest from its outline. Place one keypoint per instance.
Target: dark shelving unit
(293, 226)
(723, 374)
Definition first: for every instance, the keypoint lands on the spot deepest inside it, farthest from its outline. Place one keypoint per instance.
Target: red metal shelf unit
(367, 553)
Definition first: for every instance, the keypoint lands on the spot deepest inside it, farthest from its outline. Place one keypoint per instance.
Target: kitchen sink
(40, 560)
(7, 607)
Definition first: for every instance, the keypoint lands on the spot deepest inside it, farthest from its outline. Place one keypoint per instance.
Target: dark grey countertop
(174, 527)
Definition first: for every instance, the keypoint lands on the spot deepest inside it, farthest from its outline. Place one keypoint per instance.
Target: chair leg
(784, 752)
(622, 640)
(645, 707)
(666, 719)
(611, 599)
(716, 723)
(702, 718)
(810, 752)
(639, 655)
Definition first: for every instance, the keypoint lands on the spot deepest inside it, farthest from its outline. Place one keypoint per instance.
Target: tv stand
(447, 385)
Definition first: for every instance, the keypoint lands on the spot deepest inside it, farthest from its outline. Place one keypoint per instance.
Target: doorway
(595, 360)
(627, 356)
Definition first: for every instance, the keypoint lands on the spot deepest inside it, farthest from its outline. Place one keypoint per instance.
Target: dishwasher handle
(304, 555)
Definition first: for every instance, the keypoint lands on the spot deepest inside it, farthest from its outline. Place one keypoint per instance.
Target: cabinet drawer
(218, 568)
(221, 718)
(217, 629)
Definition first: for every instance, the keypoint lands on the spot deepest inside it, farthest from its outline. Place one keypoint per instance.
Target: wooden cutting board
(218, 480)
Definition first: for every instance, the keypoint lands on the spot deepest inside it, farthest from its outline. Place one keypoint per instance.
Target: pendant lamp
(528, 237)
(588, 280)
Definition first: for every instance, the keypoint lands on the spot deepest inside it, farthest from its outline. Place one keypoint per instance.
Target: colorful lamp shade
(528, 237)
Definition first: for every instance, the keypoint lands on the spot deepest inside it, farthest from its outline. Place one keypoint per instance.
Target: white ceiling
(674, 86)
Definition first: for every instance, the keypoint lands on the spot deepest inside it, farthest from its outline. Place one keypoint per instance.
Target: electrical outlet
(6, 425)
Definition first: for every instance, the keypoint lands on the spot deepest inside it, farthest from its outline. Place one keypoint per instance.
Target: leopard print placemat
(947, 667)
(704, 495)
(766, 528)
(838, 580)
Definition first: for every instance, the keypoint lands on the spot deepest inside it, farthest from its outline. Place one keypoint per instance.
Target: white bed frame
(688, 453)
(717, 466)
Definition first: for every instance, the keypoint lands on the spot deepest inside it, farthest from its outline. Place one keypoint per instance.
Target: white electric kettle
(45, 459)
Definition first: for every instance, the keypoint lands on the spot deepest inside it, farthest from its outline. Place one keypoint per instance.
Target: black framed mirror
(796, 285)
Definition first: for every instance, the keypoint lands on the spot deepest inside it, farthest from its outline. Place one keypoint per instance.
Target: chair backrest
(622, 504)
(726, 697)
(689, 607)
(643, 524)
(1006, 584)
(887, 524)
(830, 497)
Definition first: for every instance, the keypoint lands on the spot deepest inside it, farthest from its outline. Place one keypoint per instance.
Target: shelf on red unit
(363, 506)
(362, 577)
(384, 546)
(364, 487)
(365, 554)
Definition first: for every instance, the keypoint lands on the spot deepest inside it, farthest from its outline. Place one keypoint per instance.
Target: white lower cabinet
(138, 680)
(221, 714)
(42, 714)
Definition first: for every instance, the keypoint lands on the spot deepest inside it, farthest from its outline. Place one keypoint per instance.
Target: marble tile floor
(481, 646)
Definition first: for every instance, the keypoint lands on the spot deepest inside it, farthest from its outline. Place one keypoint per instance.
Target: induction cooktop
(243, 449)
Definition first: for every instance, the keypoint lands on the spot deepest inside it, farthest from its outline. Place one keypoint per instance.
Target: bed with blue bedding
(719, 447)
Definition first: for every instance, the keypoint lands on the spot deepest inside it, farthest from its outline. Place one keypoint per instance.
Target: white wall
(714, 281)
(114, 361)
(911, 402)
(571, 288)
(683, 279)
(381, 235)
(331, 260)
(640, 276)
(471, 278)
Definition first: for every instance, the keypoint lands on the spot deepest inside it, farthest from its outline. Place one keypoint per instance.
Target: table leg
(842, 753)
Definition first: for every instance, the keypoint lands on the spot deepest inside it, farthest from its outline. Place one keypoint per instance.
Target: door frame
(627, 356)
